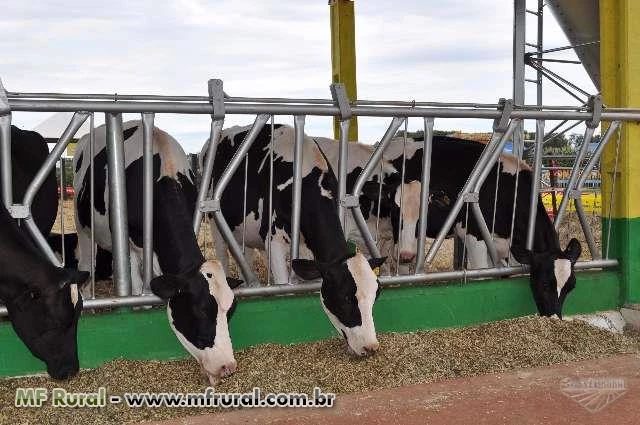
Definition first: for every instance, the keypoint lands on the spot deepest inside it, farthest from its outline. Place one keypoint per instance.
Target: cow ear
(376, 262)
(234, 283)
(306, 269)
(371, 190)
(521, 254)
(573, 251)
(166, 286)
(73, 277)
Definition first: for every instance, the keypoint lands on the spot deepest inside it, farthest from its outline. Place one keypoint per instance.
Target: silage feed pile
(403, 359)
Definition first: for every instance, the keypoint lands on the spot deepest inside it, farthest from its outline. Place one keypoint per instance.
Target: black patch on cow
(28, 153)
(319, 221)
(194, 311)
(37, 294)
(339, 295)
(84, 194)
(79, 162)
(103, 262)
(129, 132)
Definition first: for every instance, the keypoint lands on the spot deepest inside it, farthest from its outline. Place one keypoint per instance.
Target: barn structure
(606, 41)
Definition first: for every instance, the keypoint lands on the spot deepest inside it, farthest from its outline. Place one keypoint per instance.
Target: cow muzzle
(407, 257)
(224, 371)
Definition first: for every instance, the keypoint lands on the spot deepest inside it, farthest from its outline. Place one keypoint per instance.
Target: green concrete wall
(292, 319)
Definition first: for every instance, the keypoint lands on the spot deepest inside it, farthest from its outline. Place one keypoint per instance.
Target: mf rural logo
(594, 394)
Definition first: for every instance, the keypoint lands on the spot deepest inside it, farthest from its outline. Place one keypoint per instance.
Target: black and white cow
(349, 285)
(378, 217)
(43, 301)
(200, 297)
(552, 275)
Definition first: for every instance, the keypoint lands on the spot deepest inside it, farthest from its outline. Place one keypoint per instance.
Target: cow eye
(209, 275)
(34, 295)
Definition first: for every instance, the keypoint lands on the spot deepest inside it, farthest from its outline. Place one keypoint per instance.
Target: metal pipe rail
(311, 101)
(306, 288)
(36, 105)
(264, 109)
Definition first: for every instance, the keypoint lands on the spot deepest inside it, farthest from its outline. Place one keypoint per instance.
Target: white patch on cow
(280, 247)
(324, 192)
(74, 294)
(283, 146)
(410, 215)
(252, 238)
(357, 156)
(361, 339)
(281, 187)
(562, 271)
(217, 361)
(511, 164)
(397, 147)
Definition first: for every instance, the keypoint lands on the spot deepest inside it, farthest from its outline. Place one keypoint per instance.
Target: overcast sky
(436, 50)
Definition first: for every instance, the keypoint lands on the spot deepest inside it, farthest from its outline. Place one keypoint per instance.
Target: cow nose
(228, 369)
(406, 256)
(369, 349)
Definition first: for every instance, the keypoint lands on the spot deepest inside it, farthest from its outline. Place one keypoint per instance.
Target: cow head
(349, 289)
(404, 222)
(551, 275)
(45, 317)
(200, 305)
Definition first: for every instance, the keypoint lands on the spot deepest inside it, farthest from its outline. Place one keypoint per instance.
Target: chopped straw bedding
(403, 359)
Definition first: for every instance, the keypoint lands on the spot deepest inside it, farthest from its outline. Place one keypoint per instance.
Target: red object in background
(68, 191)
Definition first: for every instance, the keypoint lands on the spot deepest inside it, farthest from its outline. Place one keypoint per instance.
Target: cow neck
(545, 235)
(21, 257)
(319, 223)
(175, 242)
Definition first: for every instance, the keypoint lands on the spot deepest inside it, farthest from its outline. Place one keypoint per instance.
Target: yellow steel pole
(343, 55)
(620, 74)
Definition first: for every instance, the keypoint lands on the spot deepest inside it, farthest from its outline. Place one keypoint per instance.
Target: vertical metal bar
(92, 140)
(147, 198)
(118, 204)
(296, 202)
(402, 174)
(270, 202)
(62, 190)
(476, 178)
(535, 183)
(244, 203)
(225, 178)
(519, 40)
(363, 177)
(214, 140)
(588, 135)
(5, 149)
(380, 182)
(425, 179)
(41, 176)
(539, 49)
(342, 170)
